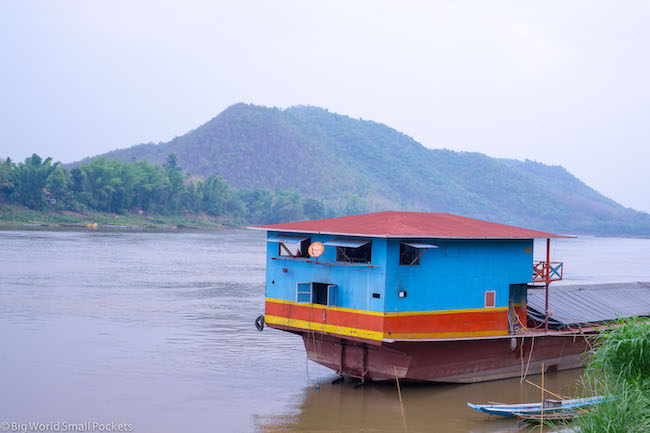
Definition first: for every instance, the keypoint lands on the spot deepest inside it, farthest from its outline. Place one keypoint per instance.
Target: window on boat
(316, 293)
(410, 252)
(291, 245)
(490, 298)
(319, 291)
(352, 250)
(303, 293)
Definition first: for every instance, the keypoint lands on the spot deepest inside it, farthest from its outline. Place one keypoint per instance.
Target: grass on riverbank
(620, 369)
(18, 215)
(628, 411)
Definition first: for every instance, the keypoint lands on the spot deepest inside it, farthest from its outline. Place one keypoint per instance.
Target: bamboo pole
(541, 422)
(399, 392)
(539, 387)
(565, 399)
(548, 277)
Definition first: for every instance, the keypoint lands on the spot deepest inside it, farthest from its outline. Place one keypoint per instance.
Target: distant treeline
(119, 187)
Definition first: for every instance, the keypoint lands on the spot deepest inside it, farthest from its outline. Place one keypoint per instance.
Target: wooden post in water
(548, 276)
(541, 421)
(399, 392)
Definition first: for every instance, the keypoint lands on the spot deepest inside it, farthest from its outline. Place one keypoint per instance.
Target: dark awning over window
(420, 245)
(287, 238)
(346, 242)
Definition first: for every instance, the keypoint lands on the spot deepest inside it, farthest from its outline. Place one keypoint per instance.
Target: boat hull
(565, 407)
(455, 361)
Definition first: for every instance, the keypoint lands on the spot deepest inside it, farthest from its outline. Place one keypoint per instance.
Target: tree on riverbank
(6, 182)
(137, 187)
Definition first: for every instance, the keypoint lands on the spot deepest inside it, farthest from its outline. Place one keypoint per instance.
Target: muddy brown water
(155, 329)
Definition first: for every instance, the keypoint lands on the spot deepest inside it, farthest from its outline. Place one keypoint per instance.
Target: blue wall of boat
(455, 275)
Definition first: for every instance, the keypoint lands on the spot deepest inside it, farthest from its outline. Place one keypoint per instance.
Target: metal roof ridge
(389, 236)
(405, 224)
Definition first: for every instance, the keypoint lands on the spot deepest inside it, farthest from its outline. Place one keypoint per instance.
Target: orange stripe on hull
(325, 316)
(453, 322)
(464, 323)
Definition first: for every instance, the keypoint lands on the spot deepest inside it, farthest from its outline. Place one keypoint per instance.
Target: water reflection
(428, 407)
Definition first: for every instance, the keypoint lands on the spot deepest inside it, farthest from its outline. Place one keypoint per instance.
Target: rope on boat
(585, 337)
(307, 351)
(521, 357)
(530, 355)
(524, 327)
(582, 333)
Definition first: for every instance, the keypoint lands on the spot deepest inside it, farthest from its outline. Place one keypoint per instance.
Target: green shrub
(619, 369)
(627, 411)
(624, 352)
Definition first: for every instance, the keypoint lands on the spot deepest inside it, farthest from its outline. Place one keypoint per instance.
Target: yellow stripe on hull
(324, 327)
(430, 335)
(374, 335)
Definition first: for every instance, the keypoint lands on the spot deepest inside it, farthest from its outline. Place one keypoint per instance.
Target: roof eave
(389, 236)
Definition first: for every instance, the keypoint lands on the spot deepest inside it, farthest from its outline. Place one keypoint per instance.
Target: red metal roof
(393, 224)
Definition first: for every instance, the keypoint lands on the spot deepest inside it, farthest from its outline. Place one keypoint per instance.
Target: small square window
(303, 293)
(490, 299)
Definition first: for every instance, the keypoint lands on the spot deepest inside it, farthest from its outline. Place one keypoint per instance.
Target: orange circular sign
(316, 249)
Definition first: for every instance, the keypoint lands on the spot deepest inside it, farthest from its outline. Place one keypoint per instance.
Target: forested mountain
(366, 165)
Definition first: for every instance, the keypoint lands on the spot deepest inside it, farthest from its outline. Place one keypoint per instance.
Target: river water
(155, 329)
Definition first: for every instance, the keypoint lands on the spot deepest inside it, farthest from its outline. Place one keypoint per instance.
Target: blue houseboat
(426, 296)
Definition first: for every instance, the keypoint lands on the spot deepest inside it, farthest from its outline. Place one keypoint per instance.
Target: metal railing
(554, 269)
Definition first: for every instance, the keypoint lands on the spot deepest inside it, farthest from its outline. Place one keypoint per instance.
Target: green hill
(333, 157)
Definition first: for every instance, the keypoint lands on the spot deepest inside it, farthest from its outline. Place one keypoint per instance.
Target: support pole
(548, 267)
(541, 421)
(401, 405)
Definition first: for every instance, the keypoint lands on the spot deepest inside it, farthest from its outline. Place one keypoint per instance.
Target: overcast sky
(561, 82)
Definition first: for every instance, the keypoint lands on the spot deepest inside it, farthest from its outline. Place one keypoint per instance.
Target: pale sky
(560, 82)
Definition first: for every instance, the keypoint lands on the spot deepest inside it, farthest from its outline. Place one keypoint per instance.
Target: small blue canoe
(510, 410)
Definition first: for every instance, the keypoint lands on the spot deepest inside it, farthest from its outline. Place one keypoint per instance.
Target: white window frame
(298, 293)
(330, 288)
(331, 293)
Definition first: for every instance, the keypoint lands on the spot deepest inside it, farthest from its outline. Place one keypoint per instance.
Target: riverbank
(620, 369)
(13, 215)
